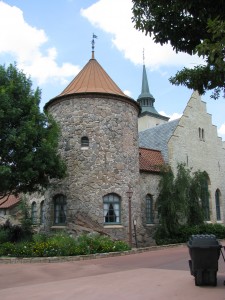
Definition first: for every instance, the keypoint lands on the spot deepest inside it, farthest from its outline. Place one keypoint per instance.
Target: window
(111, 204)
(84, 142)
(217, 197)
(199, 133)
(203, 134)
(42, 212)
(149, 209)
(59, 210)
(34, 213)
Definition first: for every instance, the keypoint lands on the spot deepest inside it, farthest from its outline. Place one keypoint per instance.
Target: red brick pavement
(160, 274)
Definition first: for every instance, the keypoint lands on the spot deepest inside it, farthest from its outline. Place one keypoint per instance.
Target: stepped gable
(157, 137)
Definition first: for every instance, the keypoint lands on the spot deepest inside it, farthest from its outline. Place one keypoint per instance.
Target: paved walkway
(156, 275)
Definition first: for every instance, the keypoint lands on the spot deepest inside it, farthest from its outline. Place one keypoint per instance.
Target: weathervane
(143, 56)
(93, 44)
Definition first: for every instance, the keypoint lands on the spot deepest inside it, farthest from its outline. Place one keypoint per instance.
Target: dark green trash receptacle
(204, 250)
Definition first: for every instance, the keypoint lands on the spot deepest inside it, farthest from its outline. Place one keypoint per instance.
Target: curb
(58, 259)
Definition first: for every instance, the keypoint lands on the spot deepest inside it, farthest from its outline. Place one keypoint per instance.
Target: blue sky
(51, 41)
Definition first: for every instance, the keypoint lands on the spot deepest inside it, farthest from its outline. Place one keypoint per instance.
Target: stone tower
(99, 142)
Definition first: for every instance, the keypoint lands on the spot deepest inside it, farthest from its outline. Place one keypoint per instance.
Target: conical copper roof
(92, 79)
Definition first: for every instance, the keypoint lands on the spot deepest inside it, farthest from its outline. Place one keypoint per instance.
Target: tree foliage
(28, 138)
(181, 198)
(193, 27)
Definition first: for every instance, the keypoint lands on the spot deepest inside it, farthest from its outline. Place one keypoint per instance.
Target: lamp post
(129, 195)
(135, 231)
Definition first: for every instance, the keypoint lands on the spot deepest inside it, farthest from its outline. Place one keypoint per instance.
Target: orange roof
(92, 79)
(9, 201)
(150, 160)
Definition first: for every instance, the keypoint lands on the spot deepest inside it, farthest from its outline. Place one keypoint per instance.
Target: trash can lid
(199, 240)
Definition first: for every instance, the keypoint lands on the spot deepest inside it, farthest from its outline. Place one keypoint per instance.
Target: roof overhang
(91, 95)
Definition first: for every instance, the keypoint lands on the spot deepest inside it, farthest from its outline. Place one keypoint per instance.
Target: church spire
(145, 88)
(145, 99)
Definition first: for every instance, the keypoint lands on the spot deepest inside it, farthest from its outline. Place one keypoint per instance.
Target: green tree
(181, 198)
(28, 138)
(196, 208)
(26, 222)
(166, 202)
(193, 27)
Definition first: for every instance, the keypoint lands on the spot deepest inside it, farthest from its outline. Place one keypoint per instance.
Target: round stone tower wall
(110, 164)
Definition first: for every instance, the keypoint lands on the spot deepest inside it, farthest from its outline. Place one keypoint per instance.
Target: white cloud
(172, 117)
(45, 68)
(128, 93)
(24, 43)
(114, 17)
(221, 131)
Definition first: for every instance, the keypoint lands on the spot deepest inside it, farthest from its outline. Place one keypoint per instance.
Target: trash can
(204, 250)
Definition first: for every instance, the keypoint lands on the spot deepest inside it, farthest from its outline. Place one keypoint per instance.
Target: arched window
(42, 212)
(34, 213)
(149, 209)
(59, 210)
(112, 213)
(217, 198)
(84, 142)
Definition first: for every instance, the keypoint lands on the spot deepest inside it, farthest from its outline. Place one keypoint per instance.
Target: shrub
(62, 245)
(6, 249)
(22, 249)
(184, 232)
(12, 233)
(40, 237)
(4, 236)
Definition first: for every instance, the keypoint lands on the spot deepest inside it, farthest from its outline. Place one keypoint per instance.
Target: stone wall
(109, 165)
(149, 185)
(12, 214)
(205, 153)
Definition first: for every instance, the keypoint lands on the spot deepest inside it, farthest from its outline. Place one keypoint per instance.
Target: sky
(50, 40)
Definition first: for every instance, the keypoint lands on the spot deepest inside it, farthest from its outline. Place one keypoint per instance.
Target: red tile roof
(150, 160)
(9, 201)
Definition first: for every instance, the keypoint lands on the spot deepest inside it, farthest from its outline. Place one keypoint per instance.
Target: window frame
(61, 199)
(149, 212)
(42, 212)
(84, 142)
(114, 200)
(34, 213)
